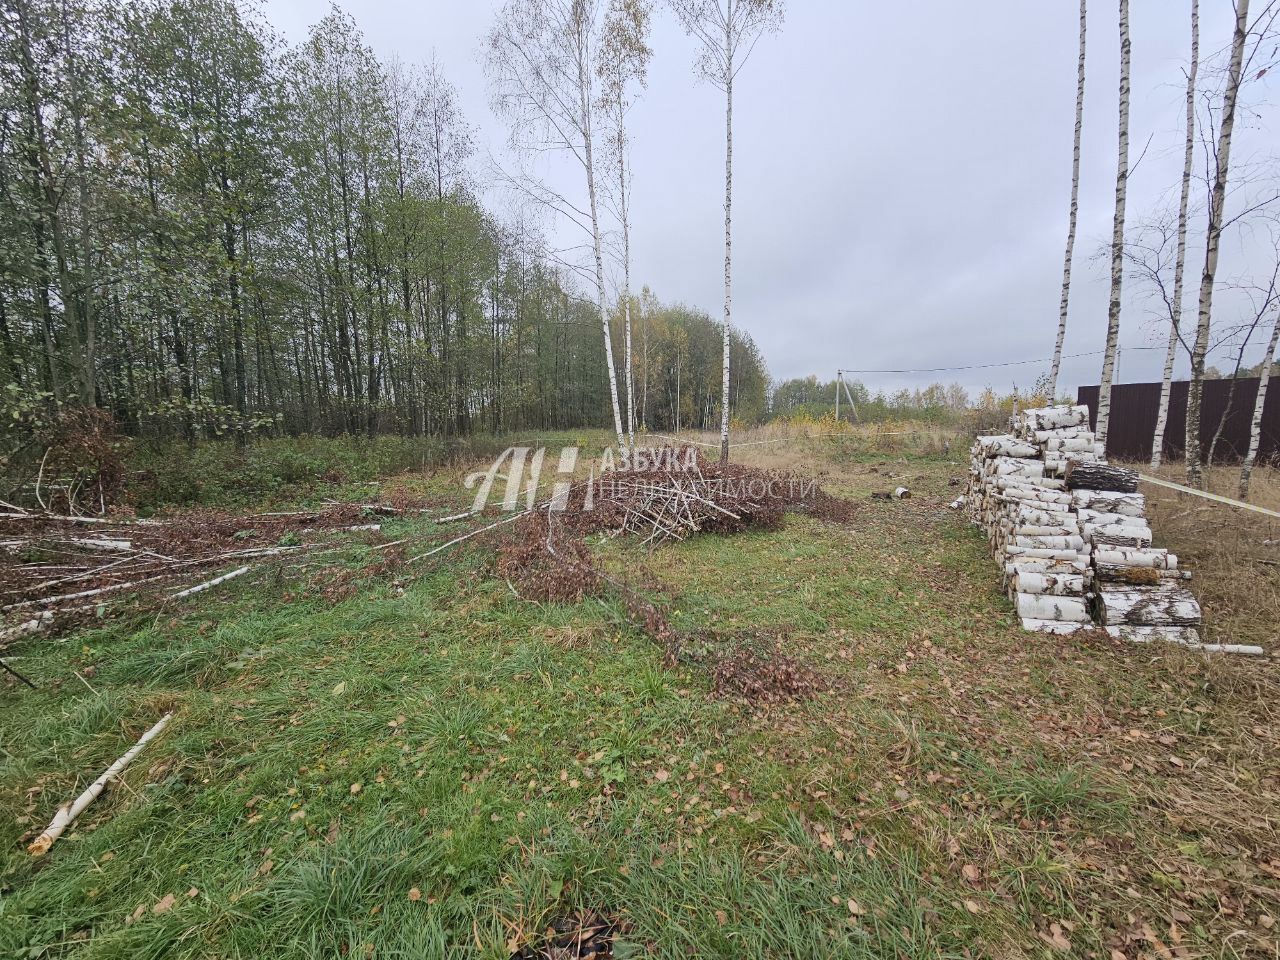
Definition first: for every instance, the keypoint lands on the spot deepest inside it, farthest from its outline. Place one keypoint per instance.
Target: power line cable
(989, 366)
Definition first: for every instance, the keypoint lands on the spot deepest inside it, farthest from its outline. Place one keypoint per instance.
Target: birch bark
(727, 31)
(584, 94)
(728, 236)
(1117, 237)
(1075, 209)
(1255, 426)
(1175, 314)
(1217, 201)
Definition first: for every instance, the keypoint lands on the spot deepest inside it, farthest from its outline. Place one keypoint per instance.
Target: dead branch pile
(60, 564)
(545, 555)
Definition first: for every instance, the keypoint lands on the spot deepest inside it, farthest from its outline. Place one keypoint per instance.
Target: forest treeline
(205, 231)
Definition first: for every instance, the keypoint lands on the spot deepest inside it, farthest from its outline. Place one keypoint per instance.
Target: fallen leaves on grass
(575, 937)
(764, 679)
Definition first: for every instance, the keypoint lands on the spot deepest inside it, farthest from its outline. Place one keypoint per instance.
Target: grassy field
(414, 762)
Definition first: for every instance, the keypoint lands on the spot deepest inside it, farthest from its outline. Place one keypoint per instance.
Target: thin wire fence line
(1217, 498)
(805, 436)
(991, 366)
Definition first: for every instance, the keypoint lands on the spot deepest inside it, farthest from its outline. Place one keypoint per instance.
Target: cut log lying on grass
(1037, 606)
(1183, 636)
(1052, 626)
(1166, 604)
(101, 543)
(68, 812)
(34, 625)
(1100, 476)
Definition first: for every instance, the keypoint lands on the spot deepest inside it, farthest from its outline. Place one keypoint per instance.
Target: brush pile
(545, 556)
(55, 565)
(1071, 534)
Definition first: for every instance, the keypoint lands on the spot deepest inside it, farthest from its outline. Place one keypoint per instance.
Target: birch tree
(1217, 203)
(727, 31)
(541, 60)
(1259, 403)
(1075, 208)
(624, 63)
(1175, 317)
(1117, 236)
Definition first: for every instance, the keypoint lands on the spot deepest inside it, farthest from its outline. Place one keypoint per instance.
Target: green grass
(960, 789)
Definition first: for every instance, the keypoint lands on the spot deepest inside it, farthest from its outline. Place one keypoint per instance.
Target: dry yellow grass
(1237, 572)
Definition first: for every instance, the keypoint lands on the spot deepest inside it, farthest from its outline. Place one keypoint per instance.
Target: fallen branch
(209, 584)
(33, 625)
(468, 536)
(68, 812)
(14, 673)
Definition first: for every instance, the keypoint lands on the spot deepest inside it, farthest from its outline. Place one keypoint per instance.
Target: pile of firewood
(1071, 534)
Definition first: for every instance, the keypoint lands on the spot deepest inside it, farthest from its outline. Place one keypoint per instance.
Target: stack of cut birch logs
(1071, 535)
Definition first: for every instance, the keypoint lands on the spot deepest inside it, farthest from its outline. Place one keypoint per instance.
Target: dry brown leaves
(764, 678)
(582, 934)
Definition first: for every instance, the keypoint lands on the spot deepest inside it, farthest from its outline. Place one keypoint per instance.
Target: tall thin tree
(727, 31)
(1117, 237)
(624, 61)
(542, 66)
(1175, 313)
(1217, 203)
(1259, 403)
(1075, 209)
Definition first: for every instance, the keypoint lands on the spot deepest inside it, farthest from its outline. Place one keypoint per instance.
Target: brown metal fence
(1133, 419)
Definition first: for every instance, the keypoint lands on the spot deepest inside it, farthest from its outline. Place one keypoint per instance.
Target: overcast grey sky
(901, 174)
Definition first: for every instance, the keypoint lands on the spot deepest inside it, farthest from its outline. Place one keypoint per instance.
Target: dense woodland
(204, 231)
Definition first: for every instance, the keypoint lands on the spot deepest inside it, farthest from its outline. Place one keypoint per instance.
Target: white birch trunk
(1255, 426)
(626, 277)
(728, 232)
(1175, 313)
(584, 94)
(1071, 223)
(1217, 201)
(1117, 237)
(68, 812)
(631, 390)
